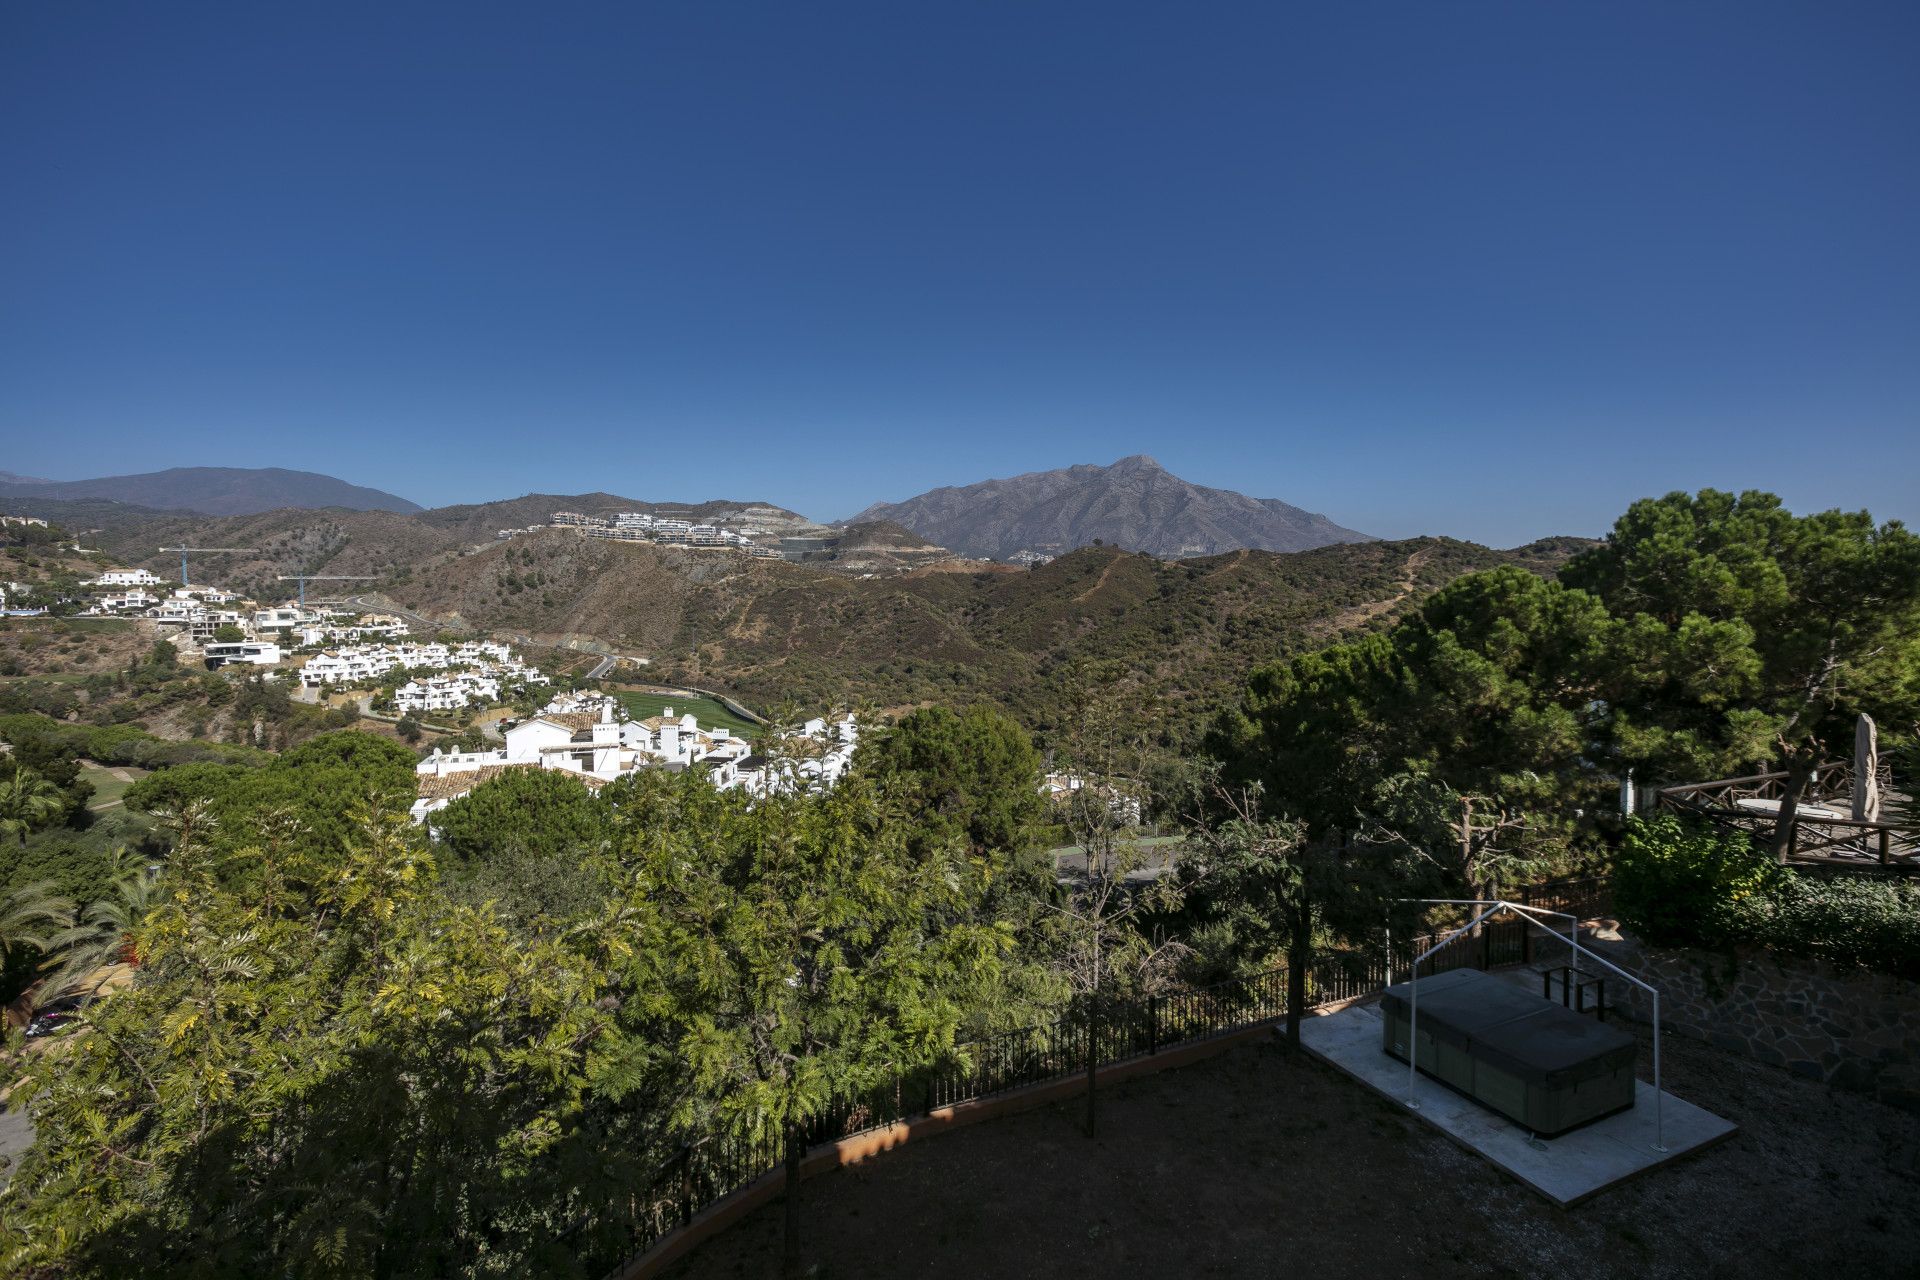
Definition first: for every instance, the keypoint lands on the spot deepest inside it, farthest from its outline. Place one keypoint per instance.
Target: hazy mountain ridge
(214, 491)
(1135, 504)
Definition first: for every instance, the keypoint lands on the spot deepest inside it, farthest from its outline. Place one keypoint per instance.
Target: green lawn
(108, 789)
(706, 710)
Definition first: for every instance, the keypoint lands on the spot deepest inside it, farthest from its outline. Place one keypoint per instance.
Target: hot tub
(1538, 1063)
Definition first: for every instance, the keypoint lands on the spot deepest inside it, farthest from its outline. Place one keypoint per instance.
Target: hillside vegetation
(1181, 634)
(883, 616)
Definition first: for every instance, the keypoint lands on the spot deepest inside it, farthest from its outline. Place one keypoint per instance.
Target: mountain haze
(214, 491)
(1135, 503)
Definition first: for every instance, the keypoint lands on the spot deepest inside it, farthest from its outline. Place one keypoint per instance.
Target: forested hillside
(1176, 634)
(883, 617)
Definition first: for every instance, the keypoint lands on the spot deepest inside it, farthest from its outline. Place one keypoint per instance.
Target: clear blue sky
(1488, 270)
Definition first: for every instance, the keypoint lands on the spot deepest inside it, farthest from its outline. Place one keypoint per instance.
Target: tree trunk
(795, 1149)
(1799, 770)
(1299, 960)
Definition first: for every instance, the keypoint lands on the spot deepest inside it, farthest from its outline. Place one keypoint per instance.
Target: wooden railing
(1812, 835)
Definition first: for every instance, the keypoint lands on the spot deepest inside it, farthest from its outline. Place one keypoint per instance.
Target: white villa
(124, 578)
(285, 618)
(201, 622)
(589, 737)
(221, 653)
(1123, 803)
(122, 601)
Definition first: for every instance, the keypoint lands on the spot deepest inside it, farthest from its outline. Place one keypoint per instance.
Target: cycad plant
(33, 916)
(33, 919)
(100, 935)
(27, 800)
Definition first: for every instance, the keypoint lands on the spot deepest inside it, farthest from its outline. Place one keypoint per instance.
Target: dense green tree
(813, 952)
(522, 838)
(972, 776)
(333, 1073)
(1488, 729)
(1746, 611)
(309, 790)
(1755, 636)
(1459, 735)
(1310, 732)
(971, 780)
(1254, 889)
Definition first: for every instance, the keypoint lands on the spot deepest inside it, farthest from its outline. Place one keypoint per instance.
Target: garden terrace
(1823, 830)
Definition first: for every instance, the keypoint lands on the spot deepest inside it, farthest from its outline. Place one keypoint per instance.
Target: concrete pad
(1566, 1169)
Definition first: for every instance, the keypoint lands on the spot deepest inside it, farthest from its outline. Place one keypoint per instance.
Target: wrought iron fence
(1585, 897)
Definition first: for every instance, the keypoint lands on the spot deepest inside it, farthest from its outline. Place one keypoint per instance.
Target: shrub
(1678, 884)
(1854, 923)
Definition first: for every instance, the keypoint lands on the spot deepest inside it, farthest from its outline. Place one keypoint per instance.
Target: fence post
(686, 1186)
(1093, 1061)
(1153, 1024)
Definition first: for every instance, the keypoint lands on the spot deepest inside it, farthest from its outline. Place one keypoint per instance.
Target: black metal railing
(1584, 897)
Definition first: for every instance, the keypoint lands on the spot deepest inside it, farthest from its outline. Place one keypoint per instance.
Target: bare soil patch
(1263, 1162)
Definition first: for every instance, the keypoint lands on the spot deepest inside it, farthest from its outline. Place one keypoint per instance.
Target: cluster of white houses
(641, 526)
(490, 667)
(203, 610)
(590, 737)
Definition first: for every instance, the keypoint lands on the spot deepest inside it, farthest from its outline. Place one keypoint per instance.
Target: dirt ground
(1263, 1162)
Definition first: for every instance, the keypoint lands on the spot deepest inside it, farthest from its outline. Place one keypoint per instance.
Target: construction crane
(304, 578)
(206, 551)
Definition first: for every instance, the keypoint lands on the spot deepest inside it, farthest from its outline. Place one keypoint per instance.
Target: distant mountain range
(214, 491)
(1136, 503)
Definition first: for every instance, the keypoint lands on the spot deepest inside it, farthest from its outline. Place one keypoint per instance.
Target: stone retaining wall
(1851, 1029)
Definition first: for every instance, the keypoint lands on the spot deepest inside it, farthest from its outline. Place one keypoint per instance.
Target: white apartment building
(345, 666)
(378, 626)
(124, 578)
(445, 693)
(355, 664)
